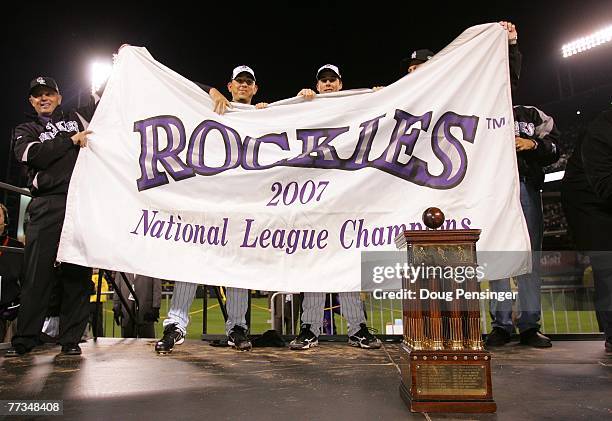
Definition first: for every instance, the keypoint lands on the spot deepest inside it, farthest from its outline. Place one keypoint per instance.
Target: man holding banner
(313, 306)
(536, 138)
(243, 88)
(48, 145)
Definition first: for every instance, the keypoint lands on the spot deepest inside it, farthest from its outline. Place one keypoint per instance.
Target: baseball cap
(43, 81)
(419, 56)
(243, 69)
(329, 68)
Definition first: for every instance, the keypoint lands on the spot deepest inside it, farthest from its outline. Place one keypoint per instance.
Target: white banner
(286, 198)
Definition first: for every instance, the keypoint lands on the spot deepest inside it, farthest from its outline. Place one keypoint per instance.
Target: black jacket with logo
(532, 123)
(45, 147)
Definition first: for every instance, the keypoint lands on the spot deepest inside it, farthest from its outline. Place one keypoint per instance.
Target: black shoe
(608, 345)
(237, 338)
(534, 338)
(364, 339)
(305, 340)
(497, 337)
(16, 351)
(172, 336)
(71, 349)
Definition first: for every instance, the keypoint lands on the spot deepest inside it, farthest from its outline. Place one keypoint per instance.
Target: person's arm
(543, 147)
(596, 151)
(87, 111)
(221, 103)
(516, 60)
(547, 138)
(39, 155)
(514, 55)
(203, 87)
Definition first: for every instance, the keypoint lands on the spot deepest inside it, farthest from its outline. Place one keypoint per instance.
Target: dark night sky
(285, 44)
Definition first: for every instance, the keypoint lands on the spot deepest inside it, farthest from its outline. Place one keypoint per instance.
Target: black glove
(152, 316)
(117, 315)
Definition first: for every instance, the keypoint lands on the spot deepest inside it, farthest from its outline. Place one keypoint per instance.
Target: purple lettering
(250, 157)
(213, 235)
(452, 172)
(265, 235)
(326, 156)
(321, 238)
(362, 234)
(247, 231)
(151, 155)
(404, 136)
(343, 233)
(231, 144)
(144, 219)
(224, 232)
(359, 159)
(378, 234)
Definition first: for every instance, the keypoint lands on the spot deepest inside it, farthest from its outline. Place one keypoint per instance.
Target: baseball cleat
(305, 340)
(364, 339)
(237, 339)
(172, 336)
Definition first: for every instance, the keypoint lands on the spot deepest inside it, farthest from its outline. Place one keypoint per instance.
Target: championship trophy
(444, 367)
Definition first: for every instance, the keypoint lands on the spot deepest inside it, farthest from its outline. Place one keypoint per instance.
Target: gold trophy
(444, 367)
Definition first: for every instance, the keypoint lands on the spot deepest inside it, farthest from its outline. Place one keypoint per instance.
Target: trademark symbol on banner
(495, 123)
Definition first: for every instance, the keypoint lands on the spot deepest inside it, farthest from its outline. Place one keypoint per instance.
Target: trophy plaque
(444, 367)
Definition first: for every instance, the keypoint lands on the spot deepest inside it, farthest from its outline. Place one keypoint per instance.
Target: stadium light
(99, 74)
(586, 43)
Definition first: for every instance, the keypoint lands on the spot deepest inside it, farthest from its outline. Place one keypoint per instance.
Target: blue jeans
(528, 284)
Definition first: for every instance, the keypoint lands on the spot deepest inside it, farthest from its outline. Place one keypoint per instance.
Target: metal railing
(566, 311)
(14, 189)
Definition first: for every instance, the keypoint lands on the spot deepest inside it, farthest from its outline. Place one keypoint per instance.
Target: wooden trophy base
(446, 381)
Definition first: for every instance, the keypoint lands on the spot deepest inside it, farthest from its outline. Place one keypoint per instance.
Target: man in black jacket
(48, 145)
(587, 201)
(535, 143)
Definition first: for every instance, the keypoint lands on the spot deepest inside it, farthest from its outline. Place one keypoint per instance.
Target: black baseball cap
(43, 81)
(416, 57)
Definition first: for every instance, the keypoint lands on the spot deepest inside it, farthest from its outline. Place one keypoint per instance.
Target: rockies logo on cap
(44, 81)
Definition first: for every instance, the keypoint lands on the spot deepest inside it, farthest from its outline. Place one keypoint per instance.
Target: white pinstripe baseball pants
(184, 292)
(351, 307)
